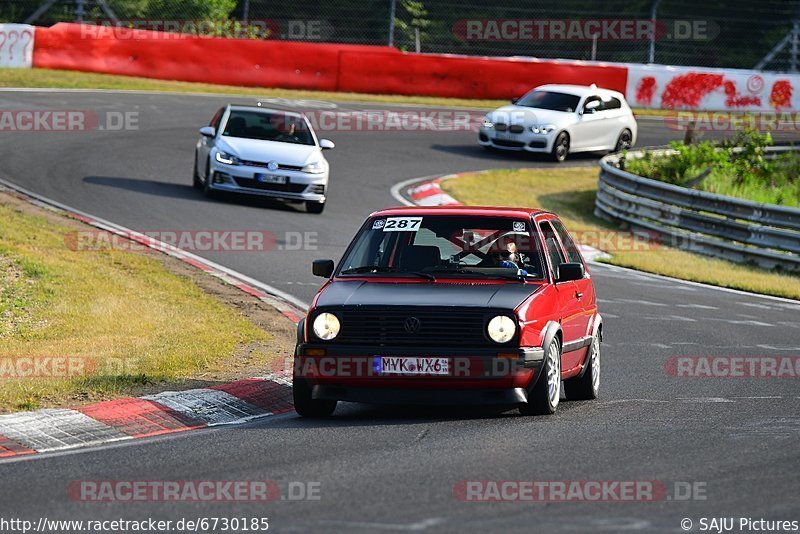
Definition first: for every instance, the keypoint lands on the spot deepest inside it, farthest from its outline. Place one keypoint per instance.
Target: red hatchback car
(451, 306)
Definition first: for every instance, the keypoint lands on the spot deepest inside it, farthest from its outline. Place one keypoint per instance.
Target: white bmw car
(265, 152)
(560, 120)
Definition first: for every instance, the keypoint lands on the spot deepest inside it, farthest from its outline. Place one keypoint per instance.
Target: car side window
(573, 254)
(217, 118)
(612, 103)
(554, 251)
(593, 103)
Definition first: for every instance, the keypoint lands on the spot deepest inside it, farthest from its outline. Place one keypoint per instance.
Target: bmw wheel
(625, 141)
(586, 386)
(546, 393)
(560, 148)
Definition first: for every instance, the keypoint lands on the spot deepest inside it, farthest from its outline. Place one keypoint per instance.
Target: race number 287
(402, 224)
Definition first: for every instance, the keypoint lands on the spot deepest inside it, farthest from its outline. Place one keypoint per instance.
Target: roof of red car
(494, 211)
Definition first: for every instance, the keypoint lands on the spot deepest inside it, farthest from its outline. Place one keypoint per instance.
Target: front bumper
(477, 376)
(442, 397)
(301, 186)
(526, 141)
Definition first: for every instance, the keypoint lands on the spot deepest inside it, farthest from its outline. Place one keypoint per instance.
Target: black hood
(464, 294)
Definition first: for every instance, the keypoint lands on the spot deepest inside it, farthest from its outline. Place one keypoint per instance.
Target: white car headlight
(543, 128)
(487, 123)
(326, 326)
(317, 167)
(227, 159)
(501, 329)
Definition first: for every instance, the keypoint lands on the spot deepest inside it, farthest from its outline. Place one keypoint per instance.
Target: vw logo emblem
(411, 325)
(273, 165)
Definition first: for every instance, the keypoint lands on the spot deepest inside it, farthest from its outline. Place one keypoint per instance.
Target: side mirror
(570, 271)
(323, 268)
(326, 144)
(514, 100)
(208, 131)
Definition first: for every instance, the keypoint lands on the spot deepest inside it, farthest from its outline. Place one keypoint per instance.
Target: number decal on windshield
(402, 224)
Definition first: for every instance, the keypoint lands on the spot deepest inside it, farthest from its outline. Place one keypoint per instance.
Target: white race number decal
(402, 224)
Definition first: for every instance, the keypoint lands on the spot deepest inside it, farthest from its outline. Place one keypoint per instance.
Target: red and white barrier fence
(692, 88)
(384, 70)
(16, 45)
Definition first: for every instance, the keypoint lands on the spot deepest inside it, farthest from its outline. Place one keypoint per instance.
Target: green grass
(570, 192)
(128, 319)
(737, 167)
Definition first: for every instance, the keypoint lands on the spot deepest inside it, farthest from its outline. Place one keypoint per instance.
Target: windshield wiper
(454, 270)
(380, 269)
(367, 269)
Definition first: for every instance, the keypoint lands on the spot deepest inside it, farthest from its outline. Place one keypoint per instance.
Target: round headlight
(326, 326)
(501, 329)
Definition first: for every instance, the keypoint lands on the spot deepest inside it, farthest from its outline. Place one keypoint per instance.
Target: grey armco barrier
(737, 230)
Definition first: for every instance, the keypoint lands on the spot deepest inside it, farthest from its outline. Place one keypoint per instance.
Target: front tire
(624, 141)
(196, 183)
(207, 191)
(587, 386)
(315, 207)
(546, 393)
(305, 405)
(560, 148)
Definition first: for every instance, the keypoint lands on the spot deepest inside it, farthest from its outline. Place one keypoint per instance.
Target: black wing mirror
(570, 271)
(323, 268)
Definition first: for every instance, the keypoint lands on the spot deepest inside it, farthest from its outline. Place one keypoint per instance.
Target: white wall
(696, 88)
(16, 45)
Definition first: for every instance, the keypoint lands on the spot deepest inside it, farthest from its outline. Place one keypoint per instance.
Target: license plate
(506, 136)
(271, 178)
(412, 365)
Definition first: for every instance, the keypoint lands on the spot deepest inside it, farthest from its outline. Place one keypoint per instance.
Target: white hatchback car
(265, 152)
(561, 119)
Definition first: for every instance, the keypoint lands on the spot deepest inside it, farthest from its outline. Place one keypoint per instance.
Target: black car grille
(438, 327)
(281, 166)
(513, 128)
(281, 188)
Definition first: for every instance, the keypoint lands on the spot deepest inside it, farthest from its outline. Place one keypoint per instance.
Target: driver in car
(507, 254)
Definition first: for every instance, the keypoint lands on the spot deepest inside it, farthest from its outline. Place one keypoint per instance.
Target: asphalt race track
(392, 468)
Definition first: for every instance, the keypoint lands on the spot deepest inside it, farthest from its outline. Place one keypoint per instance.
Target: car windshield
(432, 246)
(268, 126)
(550, 100)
